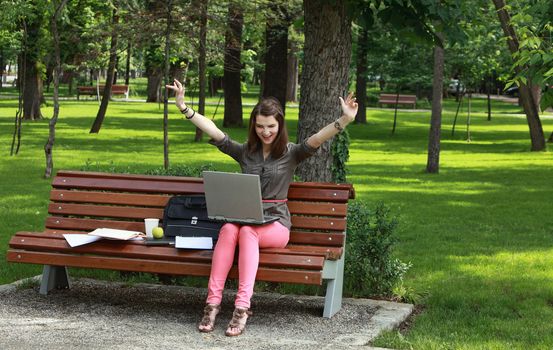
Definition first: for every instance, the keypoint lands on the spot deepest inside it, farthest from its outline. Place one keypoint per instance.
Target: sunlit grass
(479, 234)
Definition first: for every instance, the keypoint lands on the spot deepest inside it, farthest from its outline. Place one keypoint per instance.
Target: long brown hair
(268, 106)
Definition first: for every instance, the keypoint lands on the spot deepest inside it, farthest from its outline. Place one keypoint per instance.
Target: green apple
(157, 232)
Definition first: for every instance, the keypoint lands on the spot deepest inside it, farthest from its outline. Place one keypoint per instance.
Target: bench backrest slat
(394, 96)
(302, 222)
(104, 211)
(130, 199)
(159, 201)
(130, 185)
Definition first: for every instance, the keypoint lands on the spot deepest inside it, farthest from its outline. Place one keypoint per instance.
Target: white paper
(112, 233)
(194, 242)
(77, 239)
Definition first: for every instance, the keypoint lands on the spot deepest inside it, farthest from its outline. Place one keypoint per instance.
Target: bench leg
(333, 297)
(54, 277)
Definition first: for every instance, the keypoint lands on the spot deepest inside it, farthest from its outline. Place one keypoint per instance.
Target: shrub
(178, 170)
(340, 155)
(370, 268)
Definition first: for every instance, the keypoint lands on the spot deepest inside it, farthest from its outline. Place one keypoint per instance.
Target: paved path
(103, 315)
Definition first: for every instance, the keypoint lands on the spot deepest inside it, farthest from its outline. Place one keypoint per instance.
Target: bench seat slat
(330, 252)
(139, 250)
(156, 266)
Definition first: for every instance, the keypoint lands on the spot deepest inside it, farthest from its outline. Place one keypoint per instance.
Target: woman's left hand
(349, 107)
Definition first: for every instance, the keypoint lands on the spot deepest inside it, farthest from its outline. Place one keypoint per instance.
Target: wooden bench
(92, 90)
(83, 201)
(393, 99)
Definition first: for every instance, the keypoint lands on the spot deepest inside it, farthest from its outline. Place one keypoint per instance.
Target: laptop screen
(233, 196)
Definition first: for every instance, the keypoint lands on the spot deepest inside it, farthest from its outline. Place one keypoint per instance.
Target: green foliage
(177, 170)
(547, 99)
(181, 170)
(340, 156)
(370, 267)
(534, 59)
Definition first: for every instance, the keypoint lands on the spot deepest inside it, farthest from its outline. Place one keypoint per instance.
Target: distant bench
(92, 90)
(393, 99)
(83, 201)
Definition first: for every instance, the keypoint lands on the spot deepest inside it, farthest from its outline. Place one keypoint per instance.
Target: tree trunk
(128, 63)
(116, 70)
(488, 92)
(32, 92)
(169, 9)
(276, 58)
(56, 77)
(398, 88)
(16, 140)
(153, 64)
(327, 55)
(232, 66)
(433, 161)
(526, 92)
(361, 83)
(155, 76)
(109, 78)
(2, 65)
(202, 64)
(292, 72)
(70, 74)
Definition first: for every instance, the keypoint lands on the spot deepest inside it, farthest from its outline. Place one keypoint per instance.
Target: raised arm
(205, 124)
(349, 110)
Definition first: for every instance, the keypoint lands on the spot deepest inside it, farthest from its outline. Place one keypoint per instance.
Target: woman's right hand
(178, 88)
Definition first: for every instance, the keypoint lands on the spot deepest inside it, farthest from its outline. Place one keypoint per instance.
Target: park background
(477, 236)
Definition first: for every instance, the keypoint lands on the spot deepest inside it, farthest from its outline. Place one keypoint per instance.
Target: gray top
(275, 174)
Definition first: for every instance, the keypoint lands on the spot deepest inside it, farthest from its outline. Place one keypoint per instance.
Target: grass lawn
(479, 234)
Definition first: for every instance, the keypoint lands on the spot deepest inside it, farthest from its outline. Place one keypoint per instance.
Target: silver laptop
(235, 198)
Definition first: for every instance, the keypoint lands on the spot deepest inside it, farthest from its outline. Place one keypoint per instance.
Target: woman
(268, 154)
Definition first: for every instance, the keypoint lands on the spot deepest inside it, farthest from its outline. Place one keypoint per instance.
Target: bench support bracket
(333, 271)
(54, 277)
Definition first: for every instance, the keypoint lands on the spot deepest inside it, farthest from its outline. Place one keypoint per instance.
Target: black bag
(187, 216)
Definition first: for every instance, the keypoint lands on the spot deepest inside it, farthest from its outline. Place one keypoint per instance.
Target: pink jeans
(250, 239)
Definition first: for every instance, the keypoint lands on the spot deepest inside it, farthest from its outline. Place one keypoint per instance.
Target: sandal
(239, 318)
(207, 323)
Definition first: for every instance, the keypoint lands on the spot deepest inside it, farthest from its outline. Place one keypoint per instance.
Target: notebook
(235, 198)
